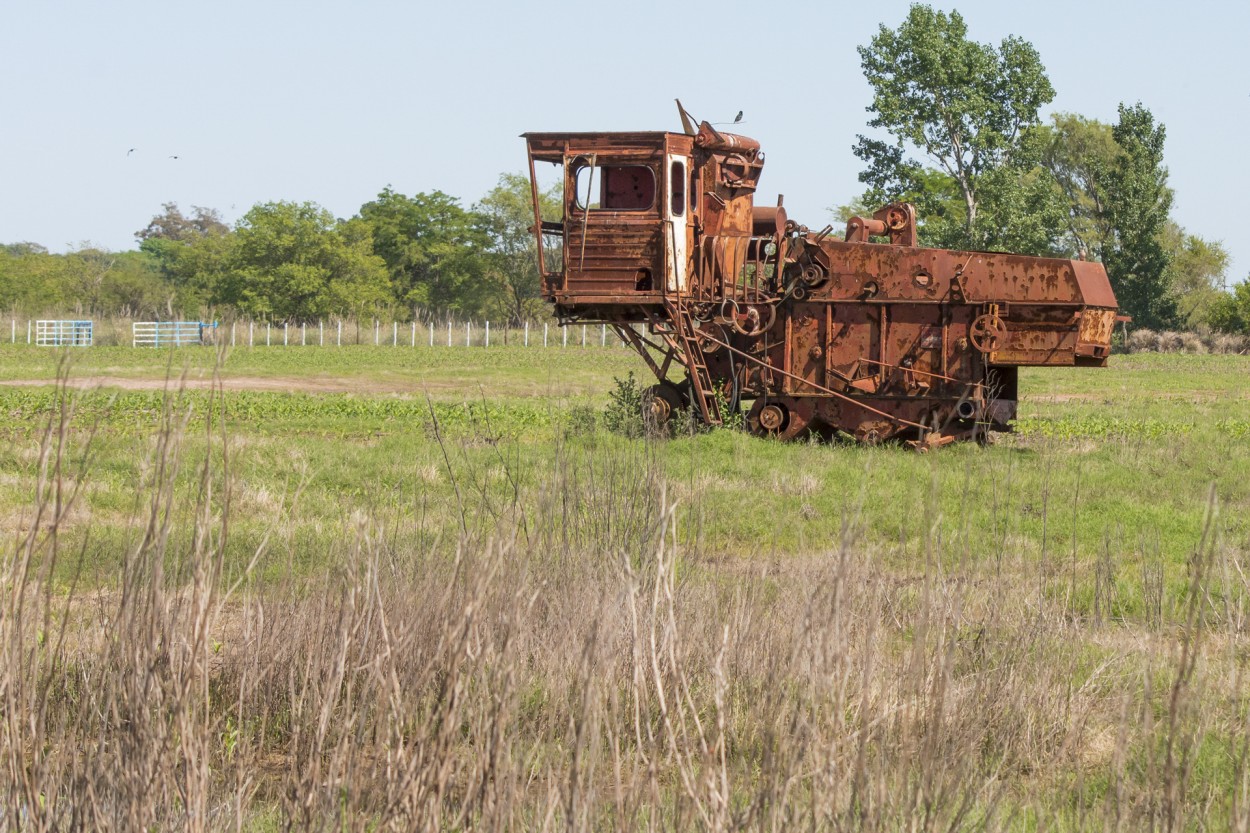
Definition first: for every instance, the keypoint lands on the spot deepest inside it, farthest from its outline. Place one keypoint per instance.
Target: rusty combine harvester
(660, 238)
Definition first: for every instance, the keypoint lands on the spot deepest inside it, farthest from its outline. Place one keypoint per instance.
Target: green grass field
(1074, 594)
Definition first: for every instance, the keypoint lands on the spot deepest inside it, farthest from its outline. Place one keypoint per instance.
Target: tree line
(963, 140)
(399, 256)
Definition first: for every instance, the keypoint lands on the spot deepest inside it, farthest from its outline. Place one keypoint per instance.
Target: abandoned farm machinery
(865, 335)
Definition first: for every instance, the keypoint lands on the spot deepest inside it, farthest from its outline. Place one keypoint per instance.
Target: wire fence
(129, 332)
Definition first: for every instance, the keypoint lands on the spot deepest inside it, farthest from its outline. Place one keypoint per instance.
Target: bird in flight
(173, 157)
(132, 150)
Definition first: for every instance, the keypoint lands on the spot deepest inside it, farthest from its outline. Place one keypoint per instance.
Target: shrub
(1192, 343)
(1143, 340)
(1171, 341)
(580, 420)
(1229, 343)
(623, 414)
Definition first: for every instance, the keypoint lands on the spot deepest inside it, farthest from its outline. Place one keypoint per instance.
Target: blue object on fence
(64, 333)
(172, 333)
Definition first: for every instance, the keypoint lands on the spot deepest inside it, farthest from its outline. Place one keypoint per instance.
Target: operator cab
(624, 234)
(648, 216)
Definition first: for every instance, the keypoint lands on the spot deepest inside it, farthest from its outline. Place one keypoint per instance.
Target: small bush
(1142, 341)
(623, 414)
(1171, 341)
(1192, 343)
(1229, 343)
(580, 421)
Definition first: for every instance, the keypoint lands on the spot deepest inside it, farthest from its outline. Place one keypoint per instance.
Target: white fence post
(28, 331)
(431, 333)
(286, 325)
(468, 326)
(544, 334)
(339, 343)
(448, 332)
(232, 323)
(268, 332)
(394, 333)
(583, 335)
(250, 327)
(527, 335)
(414, 332)
(603, 335)
(565, 328)
(321, 329)
(377, 332)
(303, 331)
(488, 334)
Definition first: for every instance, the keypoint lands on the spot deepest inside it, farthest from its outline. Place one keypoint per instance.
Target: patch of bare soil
(288, 384)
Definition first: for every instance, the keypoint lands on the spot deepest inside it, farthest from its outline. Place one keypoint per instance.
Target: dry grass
(1142, 340)
(576, 670)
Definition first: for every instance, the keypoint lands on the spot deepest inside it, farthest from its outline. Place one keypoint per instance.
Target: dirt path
(287, 384)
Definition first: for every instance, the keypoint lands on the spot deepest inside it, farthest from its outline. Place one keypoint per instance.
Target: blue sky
(331, 102)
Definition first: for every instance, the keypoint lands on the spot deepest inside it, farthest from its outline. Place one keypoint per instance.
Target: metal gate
(64, 333)
(171, 333)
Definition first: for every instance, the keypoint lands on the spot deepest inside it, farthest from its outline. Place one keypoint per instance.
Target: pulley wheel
(772, 418)
(750, 322)
(813, 274)
(987, 332)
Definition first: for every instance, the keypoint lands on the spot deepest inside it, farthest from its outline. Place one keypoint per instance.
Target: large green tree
(967, 109)
(190, 253)
(435, 250)
(1079, 153)
(293, 261)
(1112, 181)
(1138, 202)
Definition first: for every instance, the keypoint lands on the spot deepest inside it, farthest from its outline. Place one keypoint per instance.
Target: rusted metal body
(866, 334)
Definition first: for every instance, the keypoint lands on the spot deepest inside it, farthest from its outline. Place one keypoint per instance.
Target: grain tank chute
(866, 334)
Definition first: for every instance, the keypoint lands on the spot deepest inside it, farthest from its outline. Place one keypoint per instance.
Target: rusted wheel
(660, 403)
(895, 218)
(768, 419)
(987, 332)
(772, 418)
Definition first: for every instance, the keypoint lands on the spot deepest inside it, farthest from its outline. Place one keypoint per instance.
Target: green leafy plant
(623, 415)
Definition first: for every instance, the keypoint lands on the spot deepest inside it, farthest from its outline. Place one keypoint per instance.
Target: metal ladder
(702, 389)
